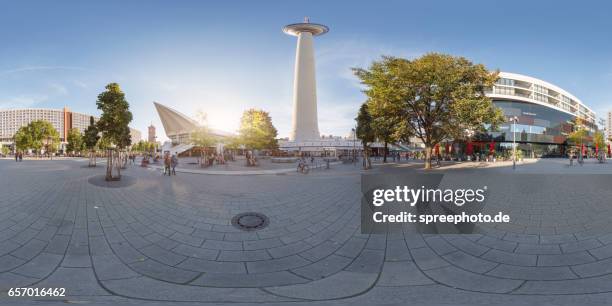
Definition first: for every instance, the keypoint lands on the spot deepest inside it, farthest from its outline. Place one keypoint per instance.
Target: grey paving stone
(402, 274)
(497, 244)
(323, 268)
(532, 273)
(146, 288)
(163, 272)
(369, 261)
(39, 266)
(9, 262)
(281, 278)
(575, 258)
(602, 252)
(127, 253)
(211, 266)
(321, 251)
(581, 245)
(11, 280)
(537, 249)
(574, 286)
(277, 264)
(162, 255)
(352, 247)
(469, 246)
(336, 286)
(110, 267)
(289, 249)
(511, 258)
(76, 261)
(426, 259)
(597, 268)
(77, 281)
(457, 278)
(30, 249)
(222, 245)
(200, 253)
(469, 262)
(243, 256)
(261, 244)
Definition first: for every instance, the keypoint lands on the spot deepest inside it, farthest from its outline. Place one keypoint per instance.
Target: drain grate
(250, 221)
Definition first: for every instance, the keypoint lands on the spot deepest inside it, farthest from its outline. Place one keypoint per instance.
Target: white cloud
(22, 101)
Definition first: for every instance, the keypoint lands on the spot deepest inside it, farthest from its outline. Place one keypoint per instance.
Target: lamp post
(354, 140)
(514, 119)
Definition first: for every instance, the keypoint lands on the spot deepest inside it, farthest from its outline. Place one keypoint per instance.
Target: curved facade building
(546, 114)
(63, 120)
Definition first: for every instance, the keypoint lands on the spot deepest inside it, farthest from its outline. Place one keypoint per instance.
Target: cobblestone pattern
(170, 239)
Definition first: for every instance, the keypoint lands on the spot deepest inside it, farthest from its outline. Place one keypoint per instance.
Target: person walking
(167, 162)
(16, 156)
(174, 163)
(20, 156)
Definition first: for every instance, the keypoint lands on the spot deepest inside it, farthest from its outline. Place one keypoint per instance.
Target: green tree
(365, 133)
(599, 140)
(37, 135)
(75, 141)
(23, 139)
(90, 140)
(257, 131)
(113, 125)
(5, 150)
(436, 96)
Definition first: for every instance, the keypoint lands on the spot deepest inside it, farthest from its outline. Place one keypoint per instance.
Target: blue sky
(222, 57)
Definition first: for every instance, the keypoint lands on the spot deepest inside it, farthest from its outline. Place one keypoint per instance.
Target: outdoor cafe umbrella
(596, 149)
(437, 149)
(492, 147)
(609, 152)
(470, 148)
(447, 148)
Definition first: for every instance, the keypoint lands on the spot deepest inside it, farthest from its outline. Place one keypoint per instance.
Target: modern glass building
(546, 115)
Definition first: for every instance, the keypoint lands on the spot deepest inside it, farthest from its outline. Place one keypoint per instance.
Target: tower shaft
(305, 121)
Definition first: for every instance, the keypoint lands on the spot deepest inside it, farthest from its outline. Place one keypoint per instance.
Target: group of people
(170, 163)
(19, 156)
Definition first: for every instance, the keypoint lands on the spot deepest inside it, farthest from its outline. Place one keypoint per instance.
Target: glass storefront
(540, 131)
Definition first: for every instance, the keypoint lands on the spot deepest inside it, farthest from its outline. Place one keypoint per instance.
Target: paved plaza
(152, 239)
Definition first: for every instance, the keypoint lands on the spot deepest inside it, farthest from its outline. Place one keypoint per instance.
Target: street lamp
(354, 140)
(514, 119)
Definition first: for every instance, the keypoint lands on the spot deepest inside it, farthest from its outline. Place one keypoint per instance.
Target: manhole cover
(250, 221)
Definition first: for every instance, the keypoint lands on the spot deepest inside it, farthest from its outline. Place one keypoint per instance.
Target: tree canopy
(257, 131)
(37, 135)
(116, 116)
(435, 97)
(91, 135)
(75, 140)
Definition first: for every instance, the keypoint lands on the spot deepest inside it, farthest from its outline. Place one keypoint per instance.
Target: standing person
(16, 156)
(20, 156)
(167, 162)
(174, 163)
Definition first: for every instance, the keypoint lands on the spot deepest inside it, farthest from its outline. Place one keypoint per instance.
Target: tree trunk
(119, 165)
(109, 165)
(92, 158)
(385, 153)
(428, 150)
